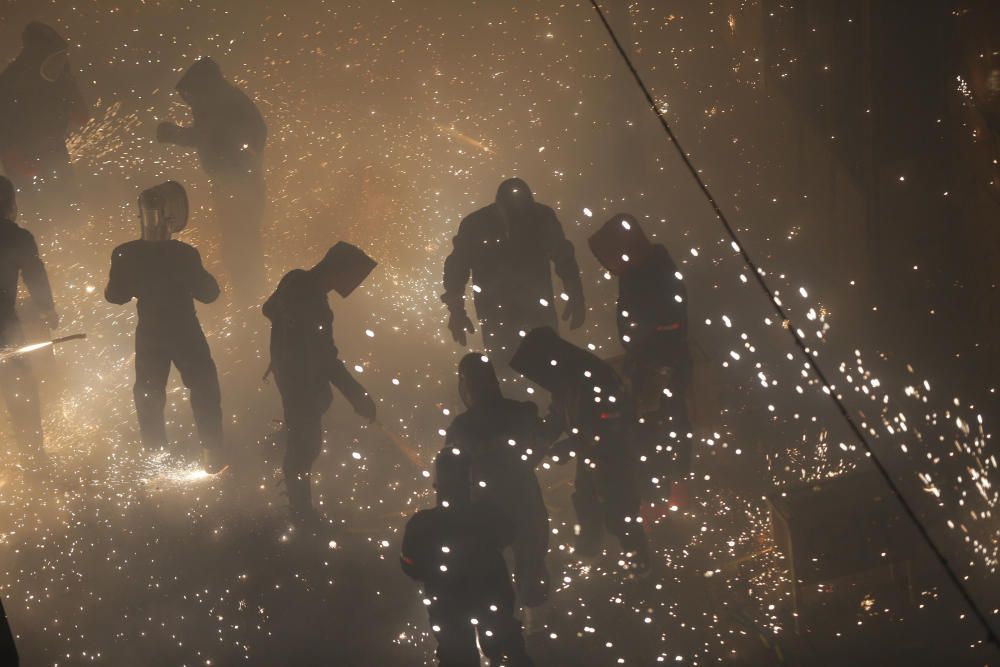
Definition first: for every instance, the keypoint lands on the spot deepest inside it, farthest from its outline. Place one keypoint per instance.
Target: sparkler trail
(793, 331)
(389, 122)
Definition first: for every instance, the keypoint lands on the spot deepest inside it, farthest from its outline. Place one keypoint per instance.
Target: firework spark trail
(343, 165)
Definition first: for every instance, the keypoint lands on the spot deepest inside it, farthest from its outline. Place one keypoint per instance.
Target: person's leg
(198, 373)
(621, 501)
(152, 368)
(455, 634)
(587, 504)
(304, 444)
(501, 637)
(531, 544)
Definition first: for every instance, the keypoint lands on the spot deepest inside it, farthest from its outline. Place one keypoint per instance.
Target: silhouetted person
(653, 329)
(19, 259)
(8, 649)
(229, 135)
(305, 362)
(165, 277)
(40, 105)
(591, 405)
(502, 441)
(507, 248)
(456, 551)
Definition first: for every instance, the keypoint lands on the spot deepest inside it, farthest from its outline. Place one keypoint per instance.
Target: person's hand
(364, 406)
(51, 319)
(459, 324)
(167, 133)
(574, 311)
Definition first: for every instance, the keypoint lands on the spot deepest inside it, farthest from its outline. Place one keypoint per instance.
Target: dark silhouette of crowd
(625, 431)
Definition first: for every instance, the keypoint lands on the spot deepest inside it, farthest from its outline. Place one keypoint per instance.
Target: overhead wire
(758, 275)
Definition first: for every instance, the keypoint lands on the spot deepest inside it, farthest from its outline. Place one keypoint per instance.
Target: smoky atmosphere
(462, 332)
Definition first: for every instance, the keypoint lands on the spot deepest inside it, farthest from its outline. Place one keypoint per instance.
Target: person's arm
(204, 286)
(411, 556)
(457, 269)
(533, 435)
(563, 257)
(352, 390)
(37, 280)
(120, 284)
(171, 133)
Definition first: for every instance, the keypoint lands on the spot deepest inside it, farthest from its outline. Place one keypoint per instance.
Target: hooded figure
(590, 403)
(166, 277)
(507, 248)
(19, 259)
(229, 135)
(653, 329)
(502, 440)
(40, 104)
(305, 362)
(456, 551)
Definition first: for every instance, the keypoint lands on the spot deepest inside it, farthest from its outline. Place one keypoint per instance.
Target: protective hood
(554, 363)
(163, 211)
(514, 196)
(477, 379)
(42, 41)
(346, 266)
(203, 76)
(620, 244)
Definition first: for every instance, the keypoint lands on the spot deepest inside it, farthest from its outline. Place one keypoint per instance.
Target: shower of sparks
(363, 102)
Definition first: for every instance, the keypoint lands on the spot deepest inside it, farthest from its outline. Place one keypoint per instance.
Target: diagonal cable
(799, 343)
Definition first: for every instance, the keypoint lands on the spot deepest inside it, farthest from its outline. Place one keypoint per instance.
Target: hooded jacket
(652, 304)
(507, 248)
(228, 131)
(37, 114)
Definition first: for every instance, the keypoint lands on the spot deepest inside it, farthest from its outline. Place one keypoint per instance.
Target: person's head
(201, 81)
(8, 199)
(163, 211)
(47, 48)
(477, 380)
(620, 244)
(451, 479)
(514, 197)
(343, 268)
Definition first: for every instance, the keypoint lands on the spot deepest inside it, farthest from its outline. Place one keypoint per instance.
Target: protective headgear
(347, 266)
(451, 476)
(514, 196)
(620, 243)
(163, 210)
(204, 75)
(477, 380)
(42, 39)
(46, 47)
